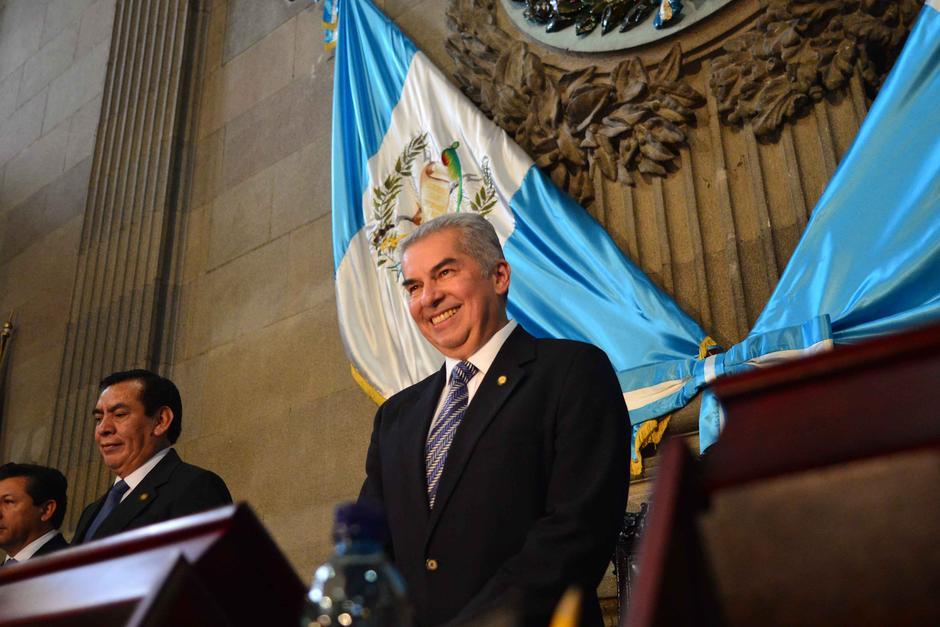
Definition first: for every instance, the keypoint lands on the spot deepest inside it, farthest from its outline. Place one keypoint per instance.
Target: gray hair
(478, 237)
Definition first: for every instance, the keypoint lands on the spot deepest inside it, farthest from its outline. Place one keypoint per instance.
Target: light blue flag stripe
(570, 280)
(870, 255)
(869, 258)
(374, 65)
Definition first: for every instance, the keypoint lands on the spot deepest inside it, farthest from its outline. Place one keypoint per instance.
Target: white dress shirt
(133, 480)
(30, 549)
(482, 360)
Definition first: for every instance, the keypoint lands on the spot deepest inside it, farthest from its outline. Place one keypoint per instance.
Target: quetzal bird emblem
(450, 159)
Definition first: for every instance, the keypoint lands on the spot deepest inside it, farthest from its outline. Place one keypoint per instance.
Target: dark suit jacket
(172, 489)
(533, 490)
(57, 543)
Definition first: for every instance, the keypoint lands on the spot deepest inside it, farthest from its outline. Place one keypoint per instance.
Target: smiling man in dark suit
(138, 417)
(32, 507)
(503, 475)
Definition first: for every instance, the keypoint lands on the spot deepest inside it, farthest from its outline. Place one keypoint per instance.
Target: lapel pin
(501, 380)
(143, 497)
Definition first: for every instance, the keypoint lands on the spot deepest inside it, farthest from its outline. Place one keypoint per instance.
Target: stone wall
(53, 56)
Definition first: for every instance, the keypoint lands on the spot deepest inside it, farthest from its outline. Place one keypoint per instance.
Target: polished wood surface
(816, 506)
(217, 567)
(856, 401)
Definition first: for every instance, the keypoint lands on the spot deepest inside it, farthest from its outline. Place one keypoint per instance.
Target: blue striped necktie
(114, 497)
(442, 432)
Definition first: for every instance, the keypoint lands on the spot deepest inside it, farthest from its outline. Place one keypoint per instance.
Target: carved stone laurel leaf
(800, 49)
(573, 123)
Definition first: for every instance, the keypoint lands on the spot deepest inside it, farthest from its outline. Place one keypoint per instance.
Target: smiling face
(455, 306)
(21, 520)
(126, 436)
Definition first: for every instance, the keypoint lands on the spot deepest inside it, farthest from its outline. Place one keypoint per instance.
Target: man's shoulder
(197, 484)
(187, 470)
(177, 471)
(564, 350)
(572, 362)
(565, 346)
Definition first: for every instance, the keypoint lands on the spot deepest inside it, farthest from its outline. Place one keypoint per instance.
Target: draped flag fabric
(408, 146)
(869, 260)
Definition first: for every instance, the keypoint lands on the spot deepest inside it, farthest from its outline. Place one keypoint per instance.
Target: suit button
(431, 565)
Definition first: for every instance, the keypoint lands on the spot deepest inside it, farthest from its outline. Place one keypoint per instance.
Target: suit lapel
(140, 497)
(414, 433)
(88, 515)
(503, 377)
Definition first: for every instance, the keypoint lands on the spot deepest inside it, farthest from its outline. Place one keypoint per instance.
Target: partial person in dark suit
(506, 482)
(33, 501)
(138, 417)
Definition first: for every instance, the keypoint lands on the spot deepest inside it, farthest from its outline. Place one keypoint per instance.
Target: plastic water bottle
(358, 586)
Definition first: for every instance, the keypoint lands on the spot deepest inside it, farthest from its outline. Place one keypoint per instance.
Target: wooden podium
(215, 568)
(819, 505)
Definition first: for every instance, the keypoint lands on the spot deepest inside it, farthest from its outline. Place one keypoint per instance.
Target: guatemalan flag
(407, 147)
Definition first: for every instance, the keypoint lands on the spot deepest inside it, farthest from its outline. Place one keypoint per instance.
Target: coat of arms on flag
(420, 188)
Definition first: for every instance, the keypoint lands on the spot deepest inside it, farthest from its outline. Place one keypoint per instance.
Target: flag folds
(869, 260)
(407, 147)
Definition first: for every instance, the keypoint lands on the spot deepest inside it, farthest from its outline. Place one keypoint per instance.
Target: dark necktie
(112, 500)
(10, 561)
(442, 432)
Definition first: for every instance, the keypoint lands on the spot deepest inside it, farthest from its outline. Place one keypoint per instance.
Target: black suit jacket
(533, 490)
(57, 543)
(172, 489)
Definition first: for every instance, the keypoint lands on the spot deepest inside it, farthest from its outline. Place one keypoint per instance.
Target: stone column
(127, 257)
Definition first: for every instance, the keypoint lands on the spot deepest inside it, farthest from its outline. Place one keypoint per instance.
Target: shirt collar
(134, 478)
(30, 549)
(485, 355)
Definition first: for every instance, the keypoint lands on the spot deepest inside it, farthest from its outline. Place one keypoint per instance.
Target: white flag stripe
(378, 331)
(779, 357)
(636, 399)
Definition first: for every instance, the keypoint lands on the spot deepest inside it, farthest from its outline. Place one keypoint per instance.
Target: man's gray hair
(477, 239)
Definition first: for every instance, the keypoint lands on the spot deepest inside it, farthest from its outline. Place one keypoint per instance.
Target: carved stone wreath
(573, 123)
(800, 49)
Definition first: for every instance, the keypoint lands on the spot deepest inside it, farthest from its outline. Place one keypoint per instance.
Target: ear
(164, 418)
(501, 275)
(47, 510)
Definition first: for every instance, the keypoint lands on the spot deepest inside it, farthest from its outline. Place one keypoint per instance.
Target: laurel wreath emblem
(384, 235)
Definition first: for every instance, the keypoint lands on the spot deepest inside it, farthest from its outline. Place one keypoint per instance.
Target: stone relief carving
(798, 50)
(577, 122)
(573, 123)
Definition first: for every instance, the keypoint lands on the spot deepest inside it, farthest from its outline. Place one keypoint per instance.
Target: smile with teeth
(444, 315)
